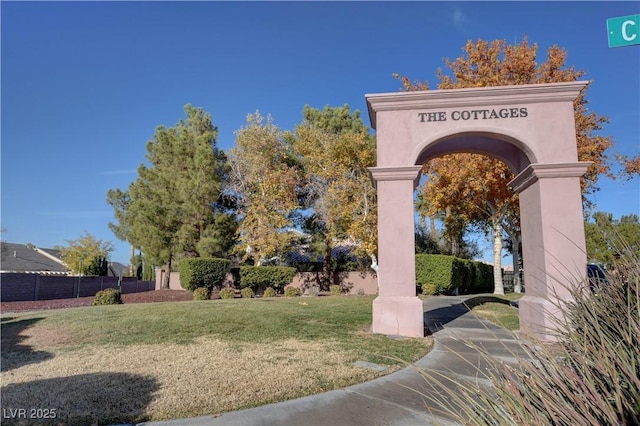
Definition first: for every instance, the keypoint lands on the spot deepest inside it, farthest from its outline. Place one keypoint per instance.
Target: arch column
(397, 310)
(553, 241)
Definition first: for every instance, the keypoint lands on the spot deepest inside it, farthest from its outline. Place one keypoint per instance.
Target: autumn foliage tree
(498, 63)
(264, 179)
(475, 194)
(334, 149)
(86, 255)
(318, 172)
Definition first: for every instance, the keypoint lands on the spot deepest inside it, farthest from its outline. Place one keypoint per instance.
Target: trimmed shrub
(484, 278)
(335, 290)
(202, 272)
(442, 274)
(428, 289)
(269, 292)
(261, 277)
(108, 296)
(291, 291)
(467, 276)
(247, 293)
(227, 293)
(201, 293)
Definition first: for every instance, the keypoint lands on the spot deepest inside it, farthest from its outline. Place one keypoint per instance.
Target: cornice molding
(471, 97)
(534, 172)
(411, 173)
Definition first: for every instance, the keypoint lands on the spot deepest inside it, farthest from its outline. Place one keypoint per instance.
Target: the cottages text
(475, 114)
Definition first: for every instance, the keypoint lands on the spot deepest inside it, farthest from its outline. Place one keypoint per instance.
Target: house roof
(26, 258)
(117, 269)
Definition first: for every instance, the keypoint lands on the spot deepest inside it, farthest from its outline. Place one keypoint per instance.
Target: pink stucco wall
(529, 127)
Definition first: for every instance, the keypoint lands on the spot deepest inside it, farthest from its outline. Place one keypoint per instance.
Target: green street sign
(624, 30)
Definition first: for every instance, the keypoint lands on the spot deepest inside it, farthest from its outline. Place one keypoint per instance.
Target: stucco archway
(531, 128)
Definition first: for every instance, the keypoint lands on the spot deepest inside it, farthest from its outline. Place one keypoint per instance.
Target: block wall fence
(17, 287)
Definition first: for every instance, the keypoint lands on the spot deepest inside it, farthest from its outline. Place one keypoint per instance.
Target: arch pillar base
(553, 243)
(397, 310)
(399, 316)
(540, 317)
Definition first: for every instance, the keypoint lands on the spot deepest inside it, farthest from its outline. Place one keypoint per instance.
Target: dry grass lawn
(47, 366)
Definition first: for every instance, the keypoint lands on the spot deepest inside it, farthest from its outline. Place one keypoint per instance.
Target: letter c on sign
(626, 36)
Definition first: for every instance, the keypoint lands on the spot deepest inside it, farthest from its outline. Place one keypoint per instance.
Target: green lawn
(191, 358)
(496, 308)
(345, 319)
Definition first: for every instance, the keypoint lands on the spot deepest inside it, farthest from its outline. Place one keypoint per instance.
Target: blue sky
(85, 84)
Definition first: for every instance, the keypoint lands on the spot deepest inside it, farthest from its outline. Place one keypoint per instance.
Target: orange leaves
(335, 158)
(631, 165)
(265, 182)
(497, 63)
(470, 183)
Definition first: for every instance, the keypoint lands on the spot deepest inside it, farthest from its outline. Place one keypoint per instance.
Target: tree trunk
(167, 275)
(432, 227)
(328, 275)
(131, 260)
(498, 286)
(516, 239)
(374, 263)
(517, 282)
(451, 233)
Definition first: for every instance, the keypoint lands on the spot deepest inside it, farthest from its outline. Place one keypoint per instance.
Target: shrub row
(442, 274)
(202, 293)
(202, 272)
(258, 278)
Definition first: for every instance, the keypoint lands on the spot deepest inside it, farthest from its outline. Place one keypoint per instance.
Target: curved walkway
(395, 399)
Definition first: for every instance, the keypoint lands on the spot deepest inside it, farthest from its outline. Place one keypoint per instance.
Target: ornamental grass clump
(335, 290)
(108, 296)
(269, 292)
(247, 293)
(227, 293)
(201, 293)
(291, 291)
(590, 376)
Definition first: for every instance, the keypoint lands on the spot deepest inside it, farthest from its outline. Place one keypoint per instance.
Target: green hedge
(259, 278)
(484, 278)
(202, 272)
(441, 274)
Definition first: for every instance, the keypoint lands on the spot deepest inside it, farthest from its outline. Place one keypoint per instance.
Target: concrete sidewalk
(395, 399)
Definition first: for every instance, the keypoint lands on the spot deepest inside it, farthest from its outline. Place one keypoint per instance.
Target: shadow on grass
(86, 399)
(436, 319)
(481, 300)
(14, 353)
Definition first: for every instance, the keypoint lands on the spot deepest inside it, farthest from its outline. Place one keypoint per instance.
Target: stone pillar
(397, 310)
(553, 242)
